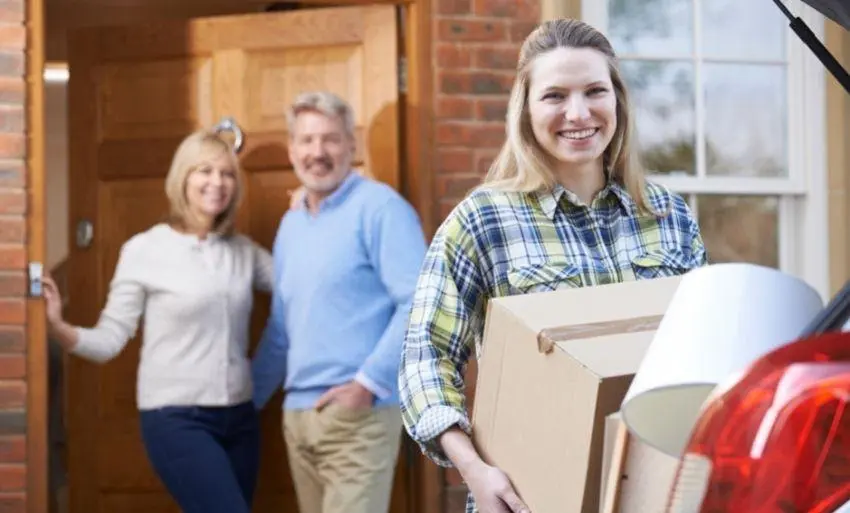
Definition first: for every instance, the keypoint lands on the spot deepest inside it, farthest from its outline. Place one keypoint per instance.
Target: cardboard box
(636, 477)
(553, 366)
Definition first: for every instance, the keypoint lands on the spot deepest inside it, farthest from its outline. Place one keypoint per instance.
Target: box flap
(610, 356)
(591, 307)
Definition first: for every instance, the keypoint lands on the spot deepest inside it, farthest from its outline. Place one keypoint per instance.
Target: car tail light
(776, 439)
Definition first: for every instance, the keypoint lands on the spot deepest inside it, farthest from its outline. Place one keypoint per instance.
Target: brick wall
(476, 44)
(13, 202)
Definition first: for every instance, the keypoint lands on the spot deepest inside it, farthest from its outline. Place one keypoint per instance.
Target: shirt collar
(550, 199)
(341, 192)
(189, 239)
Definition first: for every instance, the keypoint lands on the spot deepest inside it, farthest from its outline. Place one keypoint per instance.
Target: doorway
(412, 175)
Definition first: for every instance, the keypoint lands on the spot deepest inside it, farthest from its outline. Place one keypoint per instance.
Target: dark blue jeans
(206, 457)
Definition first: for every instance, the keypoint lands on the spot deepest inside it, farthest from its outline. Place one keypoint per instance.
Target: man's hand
(352, 396)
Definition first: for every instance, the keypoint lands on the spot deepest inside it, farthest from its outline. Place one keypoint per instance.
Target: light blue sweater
(344, 281)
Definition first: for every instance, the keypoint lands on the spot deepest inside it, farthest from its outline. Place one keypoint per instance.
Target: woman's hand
(296, 198)
(52, 301)
(491, 488)
(61, 331)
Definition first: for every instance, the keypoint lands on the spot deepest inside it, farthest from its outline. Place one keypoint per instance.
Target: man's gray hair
(325, 103)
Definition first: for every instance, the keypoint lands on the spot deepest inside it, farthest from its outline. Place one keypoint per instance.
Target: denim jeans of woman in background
(207, 457)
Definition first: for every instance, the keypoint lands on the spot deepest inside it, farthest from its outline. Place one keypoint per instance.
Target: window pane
(662, 95)
(745, 120)
(740, 228)
(742, 29)
(651, 27)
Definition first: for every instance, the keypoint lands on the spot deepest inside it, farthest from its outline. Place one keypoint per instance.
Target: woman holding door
(192, 279)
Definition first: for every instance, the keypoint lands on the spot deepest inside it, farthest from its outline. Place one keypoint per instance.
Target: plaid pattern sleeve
(496, 244)
(446, 316)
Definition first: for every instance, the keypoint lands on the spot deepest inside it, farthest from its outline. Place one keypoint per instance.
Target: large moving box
(553, 366)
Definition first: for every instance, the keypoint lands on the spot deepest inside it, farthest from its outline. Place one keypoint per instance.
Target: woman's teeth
(578, 134)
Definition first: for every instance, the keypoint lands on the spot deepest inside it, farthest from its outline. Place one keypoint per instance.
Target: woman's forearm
(65, 335)
(460, 450)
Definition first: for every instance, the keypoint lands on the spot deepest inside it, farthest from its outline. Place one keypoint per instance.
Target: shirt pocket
(543, 277)
(662, 263)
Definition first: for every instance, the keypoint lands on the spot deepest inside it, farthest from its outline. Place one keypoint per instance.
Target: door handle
(228, 124)
(85, 233)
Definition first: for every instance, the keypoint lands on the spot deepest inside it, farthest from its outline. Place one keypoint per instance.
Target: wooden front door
(134, 93)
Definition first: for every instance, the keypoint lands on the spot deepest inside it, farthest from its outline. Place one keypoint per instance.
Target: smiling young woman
(565, 204)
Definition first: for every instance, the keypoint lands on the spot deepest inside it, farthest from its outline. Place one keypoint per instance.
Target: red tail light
(777, 440)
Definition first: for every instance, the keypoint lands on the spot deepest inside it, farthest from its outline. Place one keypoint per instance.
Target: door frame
(35, 330)
(417, 185)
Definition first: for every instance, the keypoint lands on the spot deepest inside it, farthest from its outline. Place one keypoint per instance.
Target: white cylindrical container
(721, 319)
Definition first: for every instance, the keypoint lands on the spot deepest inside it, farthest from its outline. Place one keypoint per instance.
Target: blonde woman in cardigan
(192, 279)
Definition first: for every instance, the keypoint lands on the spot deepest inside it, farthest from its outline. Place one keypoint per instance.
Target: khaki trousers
(343, 461)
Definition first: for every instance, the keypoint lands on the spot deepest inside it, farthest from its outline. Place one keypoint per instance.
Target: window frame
(803, 211)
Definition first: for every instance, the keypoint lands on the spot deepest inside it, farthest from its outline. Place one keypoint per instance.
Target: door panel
(134, 93)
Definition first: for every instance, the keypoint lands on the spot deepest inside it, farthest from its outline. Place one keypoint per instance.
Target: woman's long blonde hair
(522, 165)
(195, 148)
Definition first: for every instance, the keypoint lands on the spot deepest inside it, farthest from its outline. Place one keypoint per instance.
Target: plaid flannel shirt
(500, 243)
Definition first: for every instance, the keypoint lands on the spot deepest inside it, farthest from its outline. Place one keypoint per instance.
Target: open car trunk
(839, 12)
(836, 10)
(836, 315)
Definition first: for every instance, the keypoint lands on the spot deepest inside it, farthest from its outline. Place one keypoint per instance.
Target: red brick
(13, 394)
(483, 161)
(497, 57)
(11, 63)
(12, 228)
(491, 109)
(471, 30)
(11, 10)
(12, 118)
(454, 82)
(12, 339)
(12, 173)
(456, 187)
(453, 55)
(12, 284)
(12, 146)
(12, 36)
(13, 503)
(488, 135)
(519, 30)
(454, 133)
(484, 82)
(453, 6)
(12, 311)
(475, 135)
(12, 90)
(12, 478)
(13, 256)
(13, 201)
(454, 160)
(13, 449)
(455, 108)
(13, 367)
(499, 8)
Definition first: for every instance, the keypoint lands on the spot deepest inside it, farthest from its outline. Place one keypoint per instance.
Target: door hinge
(402, 75)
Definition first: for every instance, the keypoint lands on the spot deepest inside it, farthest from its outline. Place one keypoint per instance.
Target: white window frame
(803, 210)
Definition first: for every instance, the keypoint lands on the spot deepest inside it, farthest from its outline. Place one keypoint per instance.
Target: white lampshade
(721, 319)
